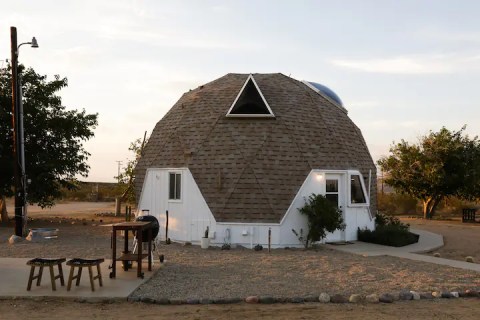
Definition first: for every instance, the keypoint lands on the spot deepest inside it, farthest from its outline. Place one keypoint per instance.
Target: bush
(323, 216)
(389, 231)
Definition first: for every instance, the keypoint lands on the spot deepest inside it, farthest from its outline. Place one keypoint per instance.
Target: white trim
(305, 82)
(271, 115)
(349, 190)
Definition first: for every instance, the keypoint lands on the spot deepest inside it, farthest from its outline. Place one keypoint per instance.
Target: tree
(323, 216)
(127, 176)
(443, 164)
(54, 153)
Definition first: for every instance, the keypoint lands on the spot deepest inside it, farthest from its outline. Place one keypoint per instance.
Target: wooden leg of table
(90, 273)
(79, 275)
(52, 278)
(114, 252)
(30, 279)
(149, 249)
(39, 279)
(70, 278)
(60, 273)
(139, 252)
(99, 275)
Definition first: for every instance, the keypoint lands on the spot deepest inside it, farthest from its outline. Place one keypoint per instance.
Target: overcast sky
(402, 68)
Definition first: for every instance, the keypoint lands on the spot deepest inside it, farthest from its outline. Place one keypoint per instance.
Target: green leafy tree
(443, 164)
(127, 176)
(323, 216)
(54, 137)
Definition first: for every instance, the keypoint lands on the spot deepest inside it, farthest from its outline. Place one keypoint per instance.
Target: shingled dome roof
(250, 168)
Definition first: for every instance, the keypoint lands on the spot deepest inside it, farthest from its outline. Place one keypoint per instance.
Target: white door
(335, 192)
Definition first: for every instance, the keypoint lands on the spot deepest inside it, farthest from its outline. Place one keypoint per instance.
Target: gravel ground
(190, 272)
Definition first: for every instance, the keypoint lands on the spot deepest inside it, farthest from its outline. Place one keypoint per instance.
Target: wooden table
(138, 228)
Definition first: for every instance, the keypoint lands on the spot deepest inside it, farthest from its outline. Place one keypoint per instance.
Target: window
(250, 102)
(332, 190)
(357, 195)
(175, 183)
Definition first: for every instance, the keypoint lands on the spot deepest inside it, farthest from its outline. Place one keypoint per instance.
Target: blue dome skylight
(327, 91)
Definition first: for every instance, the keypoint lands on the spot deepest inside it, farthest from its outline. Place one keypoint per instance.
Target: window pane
(171, 193)
(357, 194)
(332, 185)
(333, 198)
(178, 188)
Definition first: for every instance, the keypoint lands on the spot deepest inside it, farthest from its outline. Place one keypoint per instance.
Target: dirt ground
(460, 239)
(81, 234)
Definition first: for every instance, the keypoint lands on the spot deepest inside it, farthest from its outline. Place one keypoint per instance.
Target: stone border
(322, 298)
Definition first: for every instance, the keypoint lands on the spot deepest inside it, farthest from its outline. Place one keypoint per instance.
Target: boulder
(455, 294)
(436, 294)
(405, 295)
(372, 298)
(386, 298)
(266, 300)
(297, 300)
(355, 298)
(472, 293)
(436, 255)
(415, 295)
(252, 299)
(338, 298)
(446, 295)
(324, 297)
(310, 298)
(469, 259)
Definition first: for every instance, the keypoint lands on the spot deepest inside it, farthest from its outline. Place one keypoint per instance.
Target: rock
(355, 298)
(15, 239)
(147, 300)
(177, 301)
(372, 298)
(266, 300)
(338, 298)
(324, 297)
(436, 294)
(436, 255)
(206, 301)
(469, 259)
(310, 298)
(405, 295)
(163, 301)
(472, 293)
(386, 298)
(193, 301)
(297, 300)
(426, 295)
(252, 299)
(233, 300)
(415, 295)
(446, 295)
(455, 294)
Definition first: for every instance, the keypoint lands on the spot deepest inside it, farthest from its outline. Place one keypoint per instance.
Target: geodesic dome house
(240, 155)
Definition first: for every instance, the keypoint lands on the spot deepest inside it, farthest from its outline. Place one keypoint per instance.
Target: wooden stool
(80, 263)
(39, 262)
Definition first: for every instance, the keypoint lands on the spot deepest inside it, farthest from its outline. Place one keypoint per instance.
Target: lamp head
(34, 43)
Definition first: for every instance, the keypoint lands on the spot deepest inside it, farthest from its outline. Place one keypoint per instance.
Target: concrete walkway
(14, 274)
(428, 241)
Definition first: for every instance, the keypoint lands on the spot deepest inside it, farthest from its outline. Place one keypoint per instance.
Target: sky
(401, 68)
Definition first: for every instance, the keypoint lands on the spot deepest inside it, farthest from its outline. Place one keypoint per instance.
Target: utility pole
(118, 170)
(19, 191)
(20, 180)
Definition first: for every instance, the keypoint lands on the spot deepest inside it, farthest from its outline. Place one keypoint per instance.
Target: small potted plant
(205, 240)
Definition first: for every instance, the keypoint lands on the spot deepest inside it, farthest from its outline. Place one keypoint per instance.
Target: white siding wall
(189, 216)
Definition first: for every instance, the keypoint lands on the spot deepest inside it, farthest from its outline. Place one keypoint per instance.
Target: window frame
(176, 174)
(364, 189)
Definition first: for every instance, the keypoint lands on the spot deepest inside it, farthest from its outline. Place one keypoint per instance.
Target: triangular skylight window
(250, 102)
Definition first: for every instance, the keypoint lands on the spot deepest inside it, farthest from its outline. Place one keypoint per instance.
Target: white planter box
(205, 243)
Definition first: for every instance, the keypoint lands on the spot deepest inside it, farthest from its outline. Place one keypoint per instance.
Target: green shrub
(323, 216)
(389, 231)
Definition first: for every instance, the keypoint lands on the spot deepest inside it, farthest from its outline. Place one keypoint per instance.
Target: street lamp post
(20, 185)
